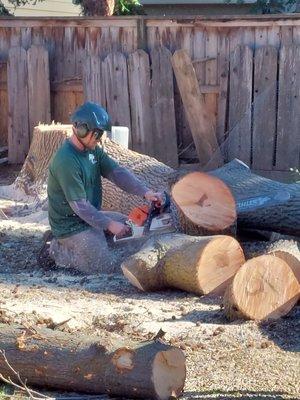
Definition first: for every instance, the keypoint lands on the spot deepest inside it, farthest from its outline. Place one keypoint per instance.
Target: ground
(225, 360)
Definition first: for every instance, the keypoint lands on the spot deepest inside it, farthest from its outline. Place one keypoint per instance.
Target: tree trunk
(262, 203)
(92, 8)
(199, 265)
(265, 287)
(92, 365)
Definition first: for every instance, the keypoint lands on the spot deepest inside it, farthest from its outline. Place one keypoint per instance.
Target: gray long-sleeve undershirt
(97, 219)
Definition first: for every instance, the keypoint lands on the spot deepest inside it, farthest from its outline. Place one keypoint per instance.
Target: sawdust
(224, 360)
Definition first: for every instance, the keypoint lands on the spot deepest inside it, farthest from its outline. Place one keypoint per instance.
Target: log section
(264, 288)
(93, 365)
(199, 265)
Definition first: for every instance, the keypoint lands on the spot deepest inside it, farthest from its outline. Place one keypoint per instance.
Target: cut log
(92, 364)
(206, 201)
(262, 203)
(199, 265)
(264, 288)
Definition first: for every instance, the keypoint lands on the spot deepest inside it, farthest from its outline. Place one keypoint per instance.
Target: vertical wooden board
(264, 107)
(288, 128)
(235, 38)
(37, 35)
(223, 74)
(211, 70)
(68, 48)
(15, 37)
(18, 121)
(296, 35)
(274, 36)
(248, 37)
(126, 42)
(26, 37)
(164, 124)
(94, 41)
(63, 104)
(139, 78)
(4, 43)
(3, 104)
(261, 37)
(93, 80)
(58, 56)
(116, 89)
(239, 122)
(49, 44)
(286, 35)
(38, 87)
(80, 53)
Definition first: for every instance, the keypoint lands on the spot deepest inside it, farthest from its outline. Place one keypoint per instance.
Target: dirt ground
(225, 360)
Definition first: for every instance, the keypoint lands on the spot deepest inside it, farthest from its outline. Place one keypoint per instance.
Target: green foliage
(16, 3)
(128, 7)
(271, 6)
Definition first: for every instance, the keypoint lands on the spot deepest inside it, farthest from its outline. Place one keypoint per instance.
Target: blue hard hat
(93, 115)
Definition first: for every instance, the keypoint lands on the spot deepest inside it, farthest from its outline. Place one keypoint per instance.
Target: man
(75, 195)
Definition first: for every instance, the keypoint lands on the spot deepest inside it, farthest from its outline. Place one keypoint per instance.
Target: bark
(265, 287)
(262, 203)
(92, 364)
(199, 265)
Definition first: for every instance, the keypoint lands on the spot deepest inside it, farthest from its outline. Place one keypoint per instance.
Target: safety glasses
(98, 133)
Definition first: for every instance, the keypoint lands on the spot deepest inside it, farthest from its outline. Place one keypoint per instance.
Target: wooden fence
(248, 88)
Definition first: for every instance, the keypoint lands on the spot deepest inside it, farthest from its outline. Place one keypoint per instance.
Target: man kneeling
(75, 195)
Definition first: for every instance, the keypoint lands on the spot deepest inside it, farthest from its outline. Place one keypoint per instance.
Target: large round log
(262, 203)
(92, 364)
(264, 288)
(205, 201)
(199, 265)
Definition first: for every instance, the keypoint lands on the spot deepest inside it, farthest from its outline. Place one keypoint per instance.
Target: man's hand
(154, 196)
(117, 228)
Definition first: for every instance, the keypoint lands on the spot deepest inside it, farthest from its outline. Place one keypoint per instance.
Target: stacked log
(105, 364)
(201, 265)
(265, 287)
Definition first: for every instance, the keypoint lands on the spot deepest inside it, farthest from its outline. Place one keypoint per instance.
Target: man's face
(90, 141)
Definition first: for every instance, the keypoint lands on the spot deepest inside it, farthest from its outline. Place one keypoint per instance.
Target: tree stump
(97, 365)
(199, 265)
(264, 288)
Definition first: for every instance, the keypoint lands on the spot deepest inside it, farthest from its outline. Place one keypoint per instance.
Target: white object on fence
(120, 135)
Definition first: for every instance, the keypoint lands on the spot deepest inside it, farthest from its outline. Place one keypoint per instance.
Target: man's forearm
(127, 181)
(88, 213)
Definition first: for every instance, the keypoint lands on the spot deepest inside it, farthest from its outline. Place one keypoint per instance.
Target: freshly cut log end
(206, 201)
(265, 287)
(204, 267)
(199, 265)
(169, 374)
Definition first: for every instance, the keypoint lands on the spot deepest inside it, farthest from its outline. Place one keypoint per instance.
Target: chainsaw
(144, 220)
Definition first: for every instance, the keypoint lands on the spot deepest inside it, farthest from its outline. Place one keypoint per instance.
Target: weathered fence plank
(93, 80)
(116, 89)
(264, 108)
(139, 77)
(3, 104)
(239, 122)
(164, 124)
(199, 117)
(223, 74)
(38, 87)
(18, 121)
(288, 129)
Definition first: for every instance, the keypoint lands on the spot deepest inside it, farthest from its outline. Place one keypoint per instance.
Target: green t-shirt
(75, 175)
